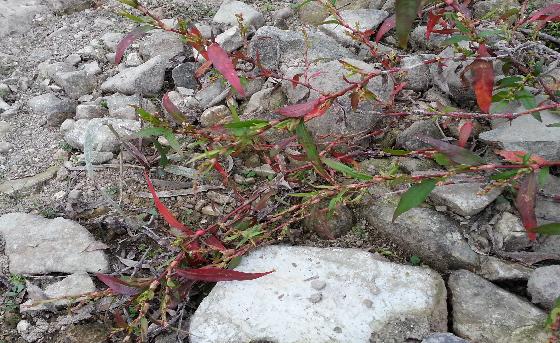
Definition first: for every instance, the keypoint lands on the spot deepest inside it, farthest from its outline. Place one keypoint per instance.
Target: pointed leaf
(387, 25)
(518, 156)
(406, 13)
(127, 41)
(482, 73)
(306, 140)
(215, 243)
(217, 275)
(354, 100)
(433, 19)
(170, 107)
(298, 110)
(548, 229)
(464, 133)
(346, 170)
(525, 203)
(224, 65)
(117, 285)
(548, 13)
(415, 196)
(453, 152)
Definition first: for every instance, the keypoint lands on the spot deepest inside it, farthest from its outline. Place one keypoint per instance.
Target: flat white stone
(363, 299)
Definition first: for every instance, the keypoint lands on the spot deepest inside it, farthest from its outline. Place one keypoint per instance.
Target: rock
(405, 302)
(312, 13)
(3, 105)
(226, 15)
(464, 198)
(92, 68)
(494, 269)
(112, 39)
(69, 6)
(278, 47)
(412, 165)
(419, 42)
(418, 76)
(97, 157)
(36, 245)
(364, 19)
(281, 15)
(544, 286)
(90, 110)
(162, 43)
(329, 224)
(215, 115)
(103, 139)
(16, 16)
(526, 133)
(76, 83)
(212, 94)
(183, 75)
(49, 70)
(84, 333)
(133, 60)
(483, 8)
(423, 232)
(264, 102)
(17, 185)
(230, 40)
(448, 78)
(33, 333)
(510, 234)
(5, 147)
(485, 313)
(408, 139)
(146, 79)
(121, 106)
(71, 286)
(443, 338)
(54, 108)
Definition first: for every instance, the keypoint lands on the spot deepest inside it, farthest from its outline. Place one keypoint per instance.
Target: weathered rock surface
(183, 75)
(102, 138)
(76, 83)
(443, 338)
(55, 109)
(362, 299)
(226, 15)
(495, 269)
(146, 79)
(71, 286)
(162, 43)
(408, 138)
(17, 15)
(417, 76)
(485, 313)
(544, 286)
(36, 245)
(329, 224)
(423, 232)
(362, 19)
(510, 234)
(465, 199)
(16, 185)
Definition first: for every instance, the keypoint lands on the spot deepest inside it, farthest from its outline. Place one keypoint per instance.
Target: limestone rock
(465, 199)
(544, 286)
(55, 109)
(146, 79)
(364, 19)
(226, 15)
(408, 139)
(364, 299)
(102, 138)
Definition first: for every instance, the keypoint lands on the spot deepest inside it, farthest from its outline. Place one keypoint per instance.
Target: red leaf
(354, 100)
(218, 167)
(453, 152)
(117, 285)
(525, 203)
(319, 110)
(217, 274)
(517, 156)
(224, 65)
(170, 107)
(464, 133)
(548, 13)
(164, 211)
(298, 110)
(387, 25)
(295, 80)
(433, 19)
(202, 69)
(126, 42)
(483, 79)
(215, 243)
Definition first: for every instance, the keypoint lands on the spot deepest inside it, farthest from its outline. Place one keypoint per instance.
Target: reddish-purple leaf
(299, 110)
(453, 152)
(170, 107)
(117, 285)
(295, 80)
(387, 25)
(217, 274)
(354, 100)
(549, 13)
(127, 41)
(215, 243)
(224, 65)
(433, 19)
(218, 167)
(464, 133)
(517, 157)
(482, 73)
(525, 203)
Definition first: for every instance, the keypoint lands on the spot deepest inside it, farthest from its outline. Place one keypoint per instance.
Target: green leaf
(346, 170)
(509, 81)
(406, 13)
(131, 3)
(488, 33)
(160, 131)
(333, 21)
(441, 159)
(543, 176)
(456, 39)
(140, 20)
(396, 152)
(306, 140)
(548, 229)
(504, 175)
(247, 123)
(148, 117)
(415, 196)
(415, 260)
(553, 125)
(334, 202)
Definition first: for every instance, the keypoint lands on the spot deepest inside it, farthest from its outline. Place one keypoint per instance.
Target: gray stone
(526, 133)
(485, 7)
(76, 83)
(412, 165)
(362, 19)
(23, 184)
(432, 236)
(97, 157)
(102, 137)
(55, 109)
(4, 106)
(16, 16)
(264, 102)
(183, 75)
(329, 224)
(226, 15)
(443, 338)
(312, 13)
(278, 47)
(230, 40)
(90, 110)
(408, 139)
(73, 59)
(112, 39)
(133, 60)
(494, 269)
(49, 70)
(417, 76)
(419, 42)
(92, 68)
(215, 115)
(5, 147)
(465, 199)
(121, 106)
(405, 302)
(69, 6)
(448, 78)
(212, 94)
(146, 79)
(485, 313)
(544, 286)
(36, 245)
(510, 234)
(33, 332)
(162, 43)
(71, 286)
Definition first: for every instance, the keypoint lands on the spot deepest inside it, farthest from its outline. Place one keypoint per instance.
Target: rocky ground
(73, 201)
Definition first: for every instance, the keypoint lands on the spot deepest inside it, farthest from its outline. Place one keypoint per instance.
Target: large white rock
(227, 15)
(37, 245)
(322, 295)
(361, 19)
(146, 79)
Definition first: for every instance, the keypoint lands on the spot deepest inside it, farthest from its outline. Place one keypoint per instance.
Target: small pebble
(367, 303)
(318, 284)
(315, 298)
